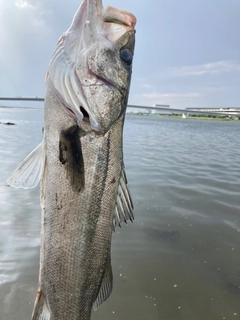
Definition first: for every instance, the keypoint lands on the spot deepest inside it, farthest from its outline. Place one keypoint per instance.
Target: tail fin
(40, 310)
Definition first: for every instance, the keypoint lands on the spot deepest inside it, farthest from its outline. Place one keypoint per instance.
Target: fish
(84, 193)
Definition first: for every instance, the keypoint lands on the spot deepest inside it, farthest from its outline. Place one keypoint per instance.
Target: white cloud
(211, 89)
(23, 4)
(213, 68)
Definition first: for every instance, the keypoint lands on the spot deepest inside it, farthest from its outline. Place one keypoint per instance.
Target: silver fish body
(84, 192)
(77, 223)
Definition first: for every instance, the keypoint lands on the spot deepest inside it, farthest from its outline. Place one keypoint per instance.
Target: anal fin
(40, 310)
(106, 287)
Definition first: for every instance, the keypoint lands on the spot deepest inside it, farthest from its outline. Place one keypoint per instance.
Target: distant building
(158, 108)
(229, 110)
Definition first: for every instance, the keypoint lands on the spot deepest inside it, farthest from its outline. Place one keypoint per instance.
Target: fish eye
(126, 56)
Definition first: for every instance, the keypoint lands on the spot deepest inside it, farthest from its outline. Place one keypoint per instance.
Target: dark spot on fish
(62, 157)
(58, 202)
(113, 180)
(70, 155)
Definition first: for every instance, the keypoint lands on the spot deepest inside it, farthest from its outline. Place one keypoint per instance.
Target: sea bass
(84, 191)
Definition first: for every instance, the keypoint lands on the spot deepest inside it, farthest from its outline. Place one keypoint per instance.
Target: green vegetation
(213, 116)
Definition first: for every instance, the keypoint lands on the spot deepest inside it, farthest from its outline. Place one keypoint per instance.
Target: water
(180, 259)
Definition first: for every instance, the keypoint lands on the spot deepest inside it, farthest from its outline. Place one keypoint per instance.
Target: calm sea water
(180, 259)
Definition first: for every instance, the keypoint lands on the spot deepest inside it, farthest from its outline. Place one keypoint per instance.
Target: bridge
(21, 99)
(185, 112)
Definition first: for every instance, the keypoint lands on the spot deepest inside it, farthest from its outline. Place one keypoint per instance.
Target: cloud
(23, 4)
(213, 68)
(211, 89)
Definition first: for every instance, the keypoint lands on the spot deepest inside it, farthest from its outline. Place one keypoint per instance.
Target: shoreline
(164, 116)
(189, 117)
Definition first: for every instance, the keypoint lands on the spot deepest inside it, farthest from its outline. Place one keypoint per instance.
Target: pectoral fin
(106, 287)
(28, 173)
(71, 157)
(124, 205)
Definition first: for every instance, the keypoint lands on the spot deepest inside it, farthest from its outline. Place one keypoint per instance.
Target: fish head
(92, 65)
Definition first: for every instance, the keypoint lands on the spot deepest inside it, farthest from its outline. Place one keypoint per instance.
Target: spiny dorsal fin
(124, 205)
(28, 173)
(106, 286)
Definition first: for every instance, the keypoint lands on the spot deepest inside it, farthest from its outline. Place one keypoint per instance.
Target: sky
(187, 52)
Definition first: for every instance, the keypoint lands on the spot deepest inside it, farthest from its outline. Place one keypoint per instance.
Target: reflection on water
(180, 258)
